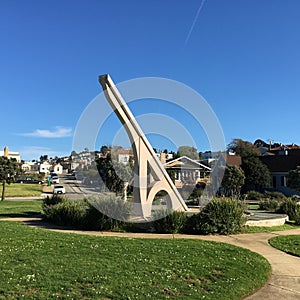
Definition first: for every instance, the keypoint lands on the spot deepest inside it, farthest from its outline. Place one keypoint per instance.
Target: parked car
(28, 180)
(59, 189)
(54, 179)
(52, 174)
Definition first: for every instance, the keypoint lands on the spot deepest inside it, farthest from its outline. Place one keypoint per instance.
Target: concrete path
(284, 282)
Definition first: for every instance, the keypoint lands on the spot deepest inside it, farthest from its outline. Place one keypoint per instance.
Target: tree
(293, 179)
(104, 149)
(243, 148)
(188, 151)
(233, 180)
(260, 143)
(9, 169)
(43, 157)
(113, 173)
(257, 173)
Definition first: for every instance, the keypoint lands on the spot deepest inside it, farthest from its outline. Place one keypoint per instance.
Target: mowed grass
(22, 190)
(260, 229)
(23, 208)
(289, 244)
(41, 264)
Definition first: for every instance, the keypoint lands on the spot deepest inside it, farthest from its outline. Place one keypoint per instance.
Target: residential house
(44, 167)
(10, 154)
(28, 166)
(282, 160)
(124, 155)
(231, 159)
(57, 168)
(188, 171)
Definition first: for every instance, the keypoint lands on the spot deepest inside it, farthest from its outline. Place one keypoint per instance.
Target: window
(283, 180)
(274, 181)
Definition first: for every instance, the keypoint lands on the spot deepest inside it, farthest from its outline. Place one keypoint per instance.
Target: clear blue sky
(243, 57)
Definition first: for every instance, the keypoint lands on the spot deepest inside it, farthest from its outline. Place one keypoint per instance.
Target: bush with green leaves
(54, 199)
(166, 221)
(96, 219)
(90, 215)
(66, 213)
(221, 215)
(289, 207)
(254, 195)
(269, 205)
(274, 195)
(297, 215)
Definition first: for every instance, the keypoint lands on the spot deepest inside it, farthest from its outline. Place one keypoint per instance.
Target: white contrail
(194, 22)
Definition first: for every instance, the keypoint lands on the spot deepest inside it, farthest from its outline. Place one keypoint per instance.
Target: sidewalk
(284, 282)
(41, 197)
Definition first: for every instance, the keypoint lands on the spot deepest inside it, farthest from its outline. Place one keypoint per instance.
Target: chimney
(163, 157)
(6, 151)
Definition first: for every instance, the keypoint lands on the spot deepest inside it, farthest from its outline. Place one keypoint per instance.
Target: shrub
(112, 206)
(296, 197)
(97, 220)
(54, 199)
(297, 215)
(166, 221)
(254, 195)
(274, 195)
(224, 216)
(90, 215)
(66, 213)
(288, 206)
(269, 205)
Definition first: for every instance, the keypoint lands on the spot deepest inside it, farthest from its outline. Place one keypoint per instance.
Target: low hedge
(221, 215)
(289, 207)
(269, 205)
(83, 214)
(166, 221)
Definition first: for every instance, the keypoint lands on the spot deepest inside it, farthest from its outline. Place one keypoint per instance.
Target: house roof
(281, 163)
(233, 160)
(125, 151)
(186, 163)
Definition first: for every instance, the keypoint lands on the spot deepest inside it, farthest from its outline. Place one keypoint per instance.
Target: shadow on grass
(25, 214)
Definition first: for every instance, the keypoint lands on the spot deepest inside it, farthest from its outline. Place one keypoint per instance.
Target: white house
(57, 168)
(10, 154)
(44, 167)
(124, 155)
(29, 166)
(188, 171)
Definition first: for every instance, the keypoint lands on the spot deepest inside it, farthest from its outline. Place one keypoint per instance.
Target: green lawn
(40, 264)
(259, 229)
(289, 244)
(23, 208)
(22, 190)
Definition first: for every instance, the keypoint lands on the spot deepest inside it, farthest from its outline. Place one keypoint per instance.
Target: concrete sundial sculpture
(150, 176)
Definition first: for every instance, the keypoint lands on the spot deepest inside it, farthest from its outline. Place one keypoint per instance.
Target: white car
(59, 189)
(54, 179)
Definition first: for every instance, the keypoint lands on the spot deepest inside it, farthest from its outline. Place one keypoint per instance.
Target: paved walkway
(284, 282)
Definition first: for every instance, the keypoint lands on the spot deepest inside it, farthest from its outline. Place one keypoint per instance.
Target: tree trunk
(3, 190)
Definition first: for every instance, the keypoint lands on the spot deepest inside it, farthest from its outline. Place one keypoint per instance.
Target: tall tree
(9, 169)
(113, 173)
(257, 173)
(243, 148)
(233, 180)
(188, 151)
(293, 179)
